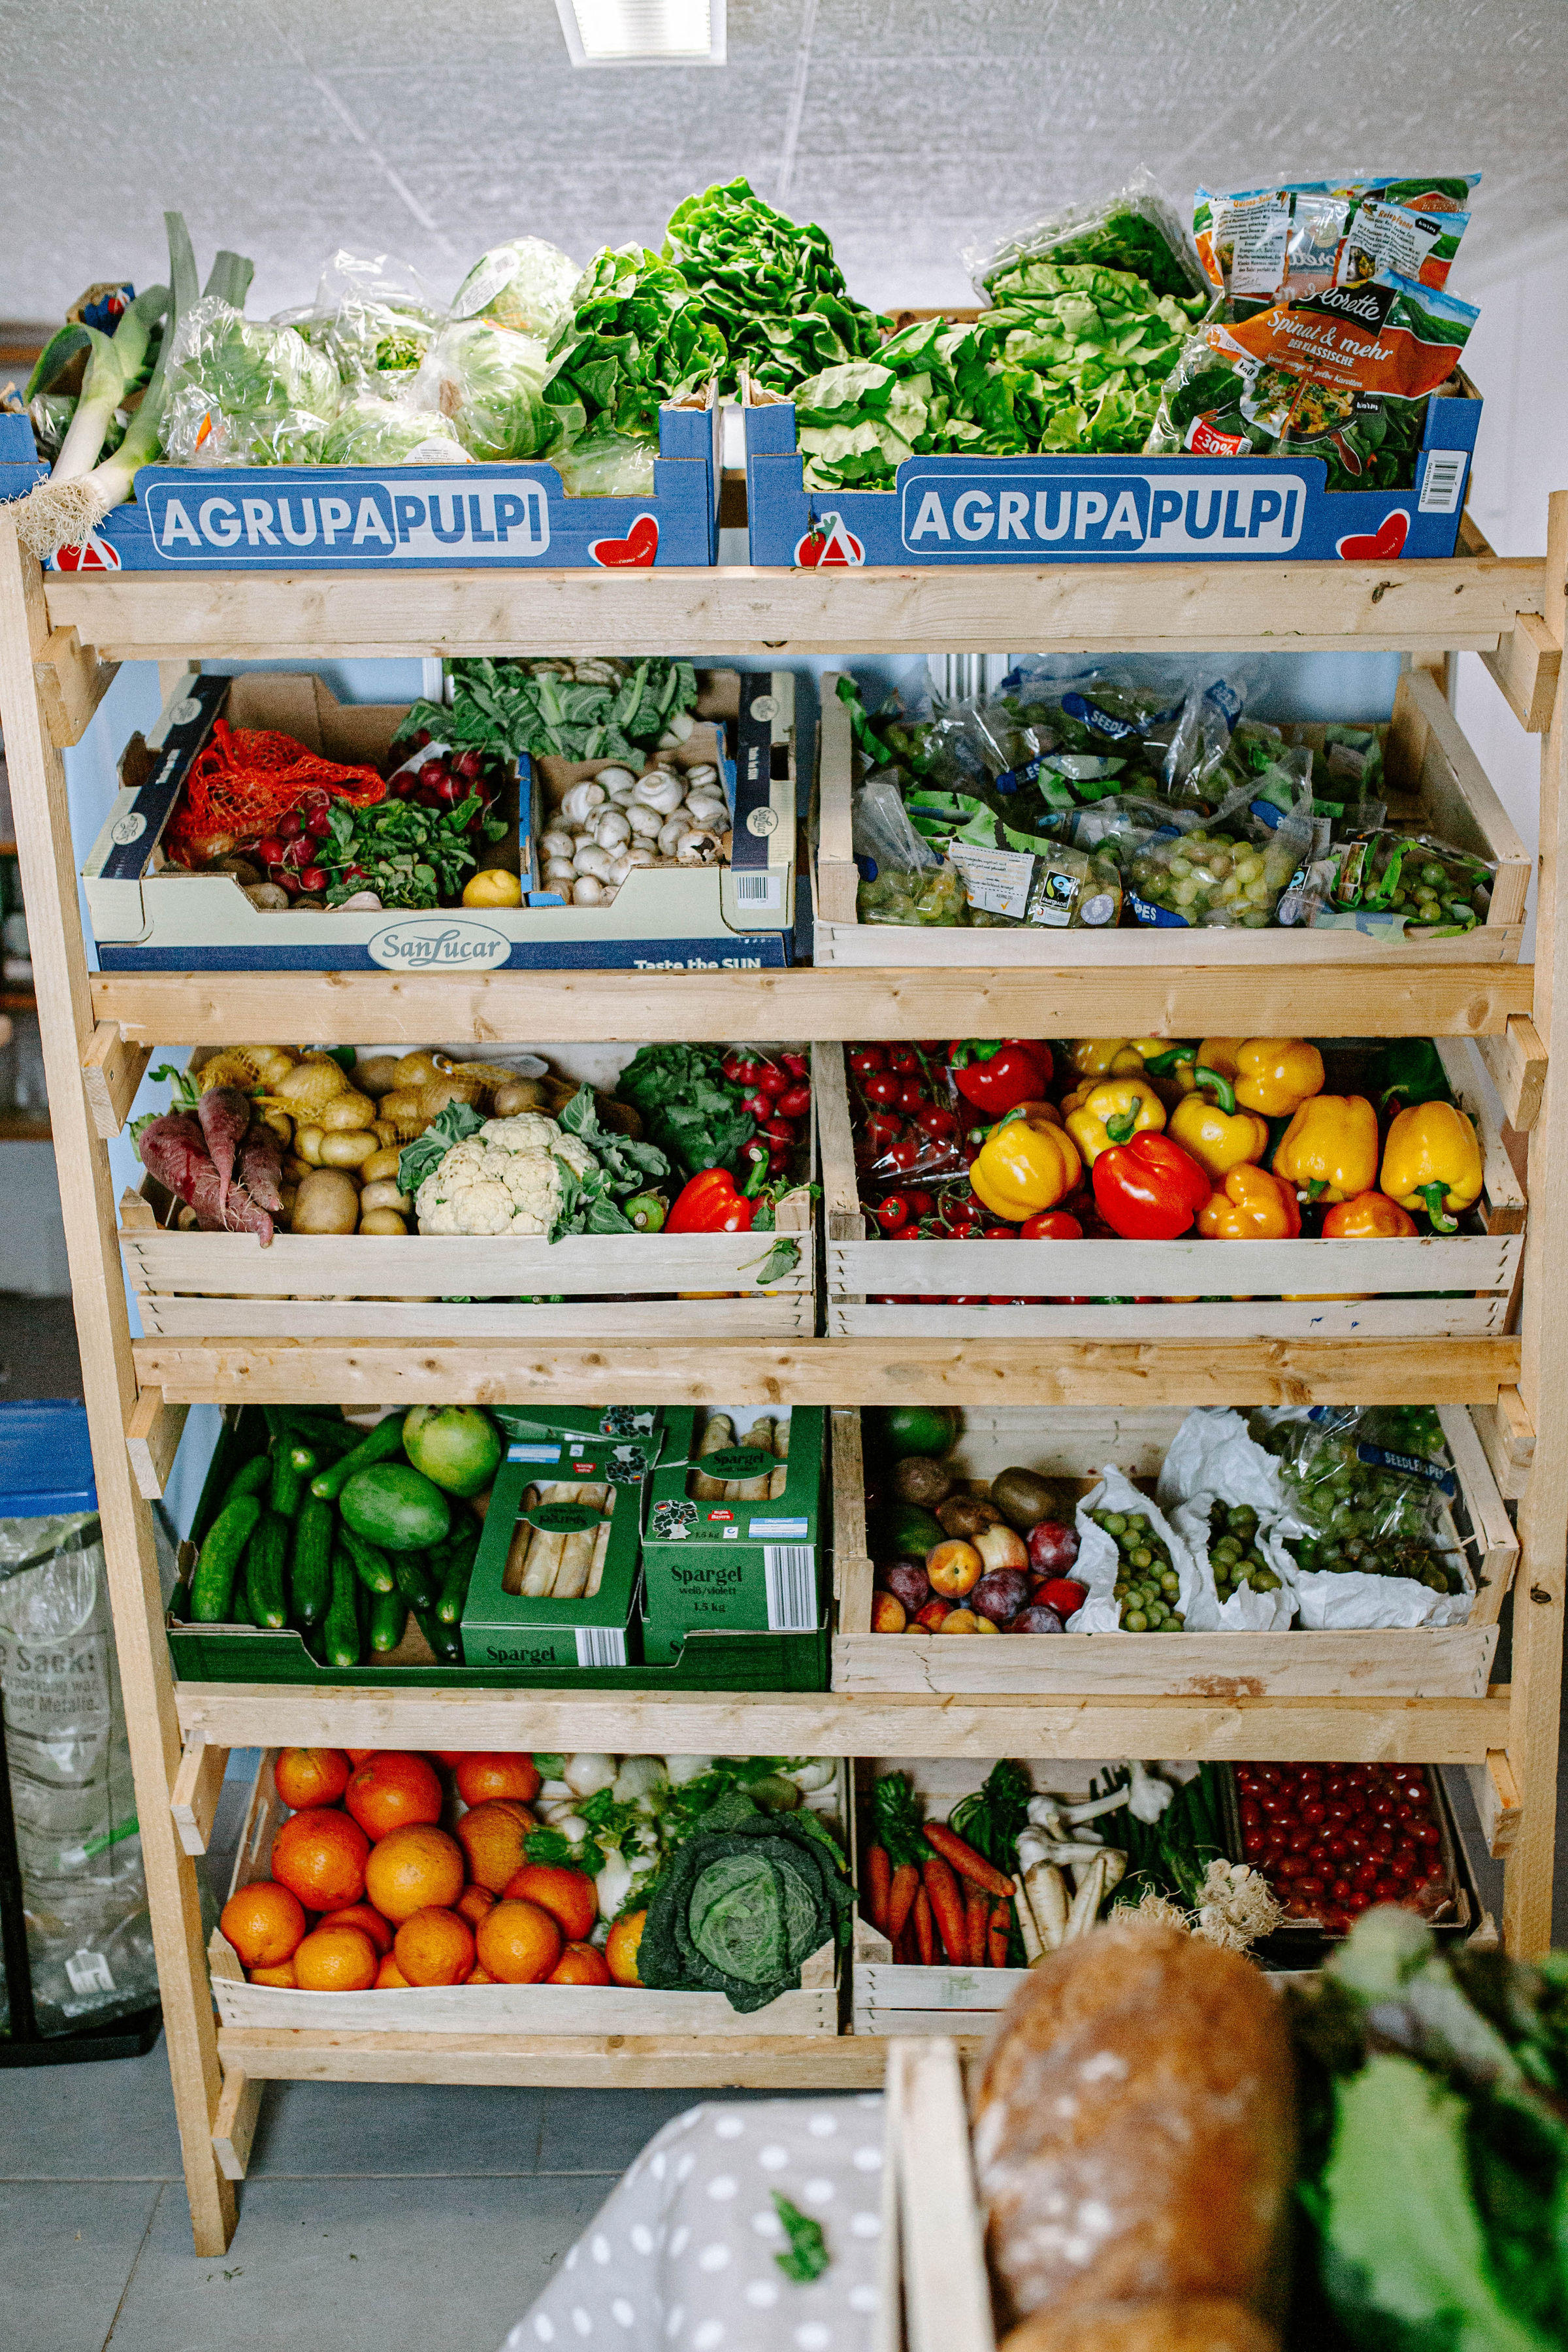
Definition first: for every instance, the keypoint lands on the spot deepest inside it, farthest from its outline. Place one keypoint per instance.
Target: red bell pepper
(1149, 1190)
(997, 1072)
(1050, 1225)
(712, 1202)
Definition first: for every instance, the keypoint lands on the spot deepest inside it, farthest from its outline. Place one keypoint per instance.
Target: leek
(114, 363)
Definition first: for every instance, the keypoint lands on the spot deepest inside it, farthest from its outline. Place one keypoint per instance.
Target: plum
(1000, 1594)
(907, 1580)
(1036, 1619)
(1053, 1548)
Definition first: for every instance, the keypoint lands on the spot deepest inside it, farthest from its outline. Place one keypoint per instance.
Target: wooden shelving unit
(61, 638)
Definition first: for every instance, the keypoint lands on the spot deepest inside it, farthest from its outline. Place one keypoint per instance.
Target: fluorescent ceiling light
(643, 32)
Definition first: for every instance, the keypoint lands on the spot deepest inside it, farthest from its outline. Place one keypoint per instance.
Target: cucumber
(395, 1506)
(212, 1586)
(388, 1621)
(315, 1640)
(252, 1477)
(327, 1439)
(415, 1581)
(265, 1558)
(384, 1443)
(292, 1462)
(458, 1567)
(445, 1642)
(373, 1568)
(310, 1564)
(342, 1617)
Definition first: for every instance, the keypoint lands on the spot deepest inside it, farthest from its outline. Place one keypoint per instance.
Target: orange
(390, 1790)
(484, 1774)
(519, 1943)
(263, 1922)
(448, 1756)
(580, 1964)
(310, 1776)
(358, 1756)
(389, 1976)
(567, 1894)
(412, 1869)
(491, 1836)
(336, 1959)
(283, 1974)
(435, 1948)
(361, 1915)
(621, 1947)
(472, 1904)
(319, 1855)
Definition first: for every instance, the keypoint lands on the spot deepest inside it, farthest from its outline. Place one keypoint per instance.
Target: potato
(327, 1203)
(382, 1221)
(414, 1069)
(310, 1085)
(432, 1099)
(287, 1194)
(518, 1096)
(273, 1062)
(295, 1170)
(348, 1148)
(272, 1115)
(308, 1142)
(382, 1165)
(384, 1194)
(376, 1075)
(348, 1110)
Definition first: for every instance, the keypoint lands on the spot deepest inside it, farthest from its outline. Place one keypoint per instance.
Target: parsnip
(1087, 1900)
(1034, 1946)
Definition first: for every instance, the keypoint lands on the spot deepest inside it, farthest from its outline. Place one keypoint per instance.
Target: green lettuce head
(243, 393)
(488, 384)
(375, 431)
(525, 285)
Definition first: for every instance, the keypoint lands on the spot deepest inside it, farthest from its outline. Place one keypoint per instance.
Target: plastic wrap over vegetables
(373, 318)
(241, 391)
(1137, 229)
(1286, 242)
(488, 384)
(526, 285)
(372, 431)
(607, 466)
(901, 879)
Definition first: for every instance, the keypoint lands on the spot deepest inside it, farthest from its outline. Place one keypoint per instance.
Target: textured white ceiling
(909, 128)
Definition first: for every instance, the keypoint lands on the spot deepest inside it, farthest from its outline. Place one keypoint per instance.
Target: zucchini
(388, 1622)
(457, 1568)
(212, 1586)
(342, 1616)
(371, 1563)
(384, 1444)
(445, 1642)
(266, 1559)
(310, 1564)
(411, 1571)
(292, 1462)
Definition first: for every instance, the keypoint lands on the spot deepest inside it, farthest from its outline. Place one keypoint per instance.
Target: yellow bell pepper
(1218, 1136)
(1330, 1149)
(1277, 1074)
(1432, 1162)
(1113, 1112)
(1170, 1071)
(1105, 1057)
(1250, 1206)
(1219, 1054)
(1025, 1165)
(1078, 1097)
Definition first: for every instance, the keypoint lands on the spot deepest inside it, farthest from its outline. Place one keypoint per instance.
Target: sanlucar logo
(440, 943)
(1208, 511)
(344, 519)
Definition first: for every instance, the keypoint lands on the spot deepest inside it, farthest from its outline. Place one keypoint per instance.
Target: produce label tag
(995, 881)
(562, 1518)
(777, 1529)
(533, 1454)
(1412, 1465)
(739, 1463)
(1164, 917)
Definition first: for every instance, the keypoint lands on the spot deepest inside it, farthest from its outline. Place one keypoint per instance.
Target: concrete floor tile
(114, 2121)
(369, 2130)
(69, 2254)
(364, 2266)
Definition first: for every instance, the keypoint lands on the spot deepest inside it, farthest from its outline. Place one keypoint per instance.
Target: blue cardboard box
(1073, 509)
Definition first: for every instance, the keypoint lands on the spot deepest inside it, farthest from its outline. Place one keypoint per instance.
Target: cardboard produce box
(734, 1540)
(560, 1509)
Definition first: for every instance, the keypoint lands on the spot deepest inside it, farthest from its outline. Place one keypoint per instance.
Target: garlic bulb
(697, 848)
(673, 831)
(593, 860)
(587, 891)
(661, 790)
(580, 802)
(696, 778)
(556, 843)
(613, 831)
(646, 823)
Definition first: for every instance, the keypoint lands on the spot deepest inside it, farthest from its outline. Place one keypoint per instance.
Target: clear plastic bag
(611, 468)
(488, 384)
(373, 316)
(525, 285)
(244, 392)
(1136, 228)
(1060, 733)
(1233, 872)
(1436, 888)
(89, 1939)
(1366, 1519)
(902, 881)
(372, 431)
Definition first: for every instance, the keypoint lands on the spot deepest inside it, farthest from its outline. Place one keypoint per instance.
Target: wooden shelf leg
(65, 1012)
(233, 2126)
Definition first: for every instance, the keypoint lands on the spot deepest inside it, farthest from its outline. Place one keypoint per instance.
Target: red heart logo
(1379, 546)
(639, 546)
(95, 554)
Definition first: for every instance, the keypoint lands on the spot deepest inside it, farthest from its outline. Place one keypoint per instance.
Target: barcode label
(789, 1571)
(600, 1646)
(759, 889)
(1441, 482)
(89, 1972)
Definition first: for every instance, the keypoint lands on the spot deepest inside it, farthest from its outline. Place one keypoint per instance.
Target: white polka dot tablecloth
(682, 2256)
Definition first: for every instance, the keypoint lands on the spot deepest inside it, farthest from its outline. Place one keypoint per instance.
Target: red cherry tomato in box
(892, 1212)
(1050, 1225)
(866, 1059)
(920, 1203)
(881, 1088)
(936, 1120)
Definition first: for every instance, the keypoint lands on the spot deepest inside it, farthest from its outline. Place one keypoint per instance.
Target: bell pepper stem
(1120, 1129)
(1224, 1092)
(1434, 1196)
(1317, 1185)
(1165, 1065)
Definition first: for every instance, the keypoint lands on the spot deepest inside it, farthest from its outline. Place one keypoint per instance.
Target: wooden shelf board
(1059, 1373)
(848, 1722)
(1467, 603)
(620, 2062)
(1392, 1000)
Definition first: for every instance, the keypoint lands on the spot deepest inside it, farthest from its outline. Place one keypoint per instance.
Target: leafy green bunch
(409, 854)
(688, 1105)
(636, 337)
(740, 1904)
(770, 286)
(523, 707)
(624, 1167)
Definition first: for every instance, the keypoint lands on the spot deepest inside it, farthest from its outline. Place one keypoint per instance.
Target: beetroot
(1036, 1619)
(261, 1166)
(1000, 1595)
(1053, 1548)
(225, 1114)
(909, 1582)
(173, 1150)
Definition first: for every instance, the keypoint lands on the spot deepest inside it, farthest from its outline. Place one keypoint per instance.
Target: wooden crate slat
(616, 2062)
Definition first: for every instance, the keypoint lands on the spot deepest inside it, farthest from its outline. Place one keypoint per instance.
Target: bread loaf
(1206, 2323)
(1135, 2133)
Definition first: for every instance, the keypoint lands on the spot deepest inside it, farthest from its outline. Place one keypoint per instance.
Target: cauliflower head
(507, 1179)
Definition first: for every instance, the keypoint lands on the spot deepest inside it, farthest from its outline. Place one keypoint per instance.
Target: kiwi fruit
(918, 1479)
(1025, 1498)
(964, 1515)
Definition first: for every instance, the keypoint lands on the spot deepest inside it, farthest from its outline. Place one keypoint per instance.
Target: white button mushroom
(697, 848)
(615, 781)
(580, 802)
(559, 874)
(556, 843)
(624, 864)
(646, 823)
(613, 831)
(708, 810)
(660, 789)
(696, 778)
(673, 831)
(593, 860)
(587, 891)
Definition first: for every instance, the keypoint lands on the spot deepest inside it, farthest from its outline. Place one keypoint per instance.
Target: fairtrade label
(563, 1519)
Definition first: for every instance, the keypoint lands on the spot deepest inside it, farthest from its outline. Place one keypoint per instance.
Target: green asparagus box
(631, 1424)
(734, 1539)
(555, 1575)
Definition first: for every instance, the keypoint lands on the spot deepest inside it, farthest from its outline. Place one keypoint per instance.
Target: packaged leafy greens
(371, 431)
(525, 285)
(372, 317)
(240, 391)
(1137, 229)
(488, 384)
(1344, 376)
(1258, 246)
(770, 286)
(608, 467)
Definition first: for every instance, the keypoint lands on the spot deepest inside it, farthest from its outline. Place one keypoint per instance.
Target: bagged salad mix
(1257, 247)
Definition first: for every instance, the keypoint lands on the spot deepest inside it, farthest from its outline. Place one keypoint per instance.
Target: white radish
(586, 1773)
(580, 802)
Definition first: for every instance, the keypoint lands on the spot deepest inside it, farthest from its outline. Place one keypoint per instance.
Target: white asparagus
(780, 1479)
(718, 1433)
(754, 1490)
(601, 1549)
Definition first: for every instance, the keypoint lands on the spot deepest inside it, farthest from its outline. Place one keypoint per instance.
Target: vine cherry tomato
(912, 1095)
(904, 1059)
(936, 1120)
(881, 1086)
(865, 1059)
(892, 1212)
(920, 1203)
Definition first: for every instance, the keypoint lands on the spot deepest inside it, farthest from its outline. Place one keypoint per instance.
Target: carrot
(879, 1878)
(905, 1949)
(965, 1860)
(976, 1924)
(925, 1941)
(900, 1900)
(996, 1938)
(947, 1906)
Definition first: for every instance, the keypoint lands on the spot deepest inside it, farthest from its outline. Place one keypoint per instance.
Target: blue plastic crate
(45, 1460)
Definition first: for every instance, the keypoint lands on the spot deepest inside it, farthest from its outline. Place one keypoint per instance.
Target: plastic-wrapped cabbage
(375, 431)
(373, 318)
(525, 285)
(488, 384)
(241, 391)
(607, 467)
